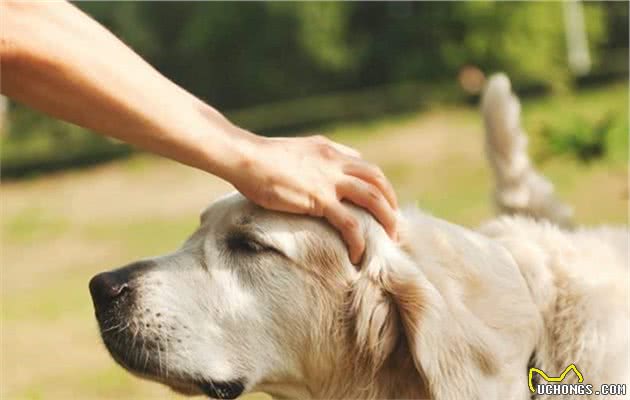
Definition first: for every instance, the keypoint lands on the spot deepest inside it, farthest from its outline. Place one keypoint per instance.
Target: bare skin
(56, 59)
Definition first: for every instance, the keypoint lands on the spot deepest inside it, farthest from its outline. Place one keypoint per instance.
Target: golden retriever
(257, 300)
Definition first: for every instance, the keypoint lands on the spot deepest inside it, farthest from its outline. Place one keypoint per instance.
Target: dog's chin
(230, 389)
(146, 368)
(222, 390)
(190, 387)
(186, 389)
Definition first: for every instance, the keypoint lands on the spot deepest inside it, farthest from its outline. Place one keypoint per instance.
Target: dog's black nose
(107, 286)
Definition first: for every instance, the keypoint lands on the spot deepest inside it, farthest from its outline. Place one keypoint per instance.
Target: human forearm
(58, 60)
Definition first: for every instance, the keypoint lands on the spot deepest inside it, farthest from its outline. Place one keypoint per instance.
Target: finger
(373, 175)
(342, 219)
(369, 197)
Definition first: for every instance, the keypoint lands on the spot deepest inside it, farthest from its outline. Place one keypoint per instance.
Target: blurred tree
(239, 54)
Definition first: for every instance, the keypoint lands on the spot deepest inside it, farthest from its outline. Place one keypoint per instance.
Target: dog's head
(261, 300)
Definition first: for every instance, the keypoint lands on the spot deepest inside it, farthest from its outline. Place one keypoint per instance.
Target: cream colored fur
(447, 313)
(520, 189)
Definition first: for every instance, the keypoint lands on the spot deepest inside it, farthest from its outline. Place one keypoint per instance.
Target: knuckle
(350, 224)
(379, 175)
(384, 186)
(317, 204)
(269, 195)
(327, 151)
(390, 220)
(320, 139)
(373, 193)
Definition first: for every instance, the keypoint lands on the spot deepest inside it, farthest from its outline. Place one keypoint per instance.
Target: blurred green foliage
(36, 144)
(236, 54)
(243, 55)
(582, 139)
(578, 138)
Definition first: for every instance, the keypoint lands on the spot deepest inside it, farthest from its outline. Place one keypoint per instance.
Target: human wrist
(235, 155)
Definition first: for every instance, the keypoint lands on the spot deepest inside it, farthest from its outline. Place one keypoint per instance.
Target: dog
(258, 300)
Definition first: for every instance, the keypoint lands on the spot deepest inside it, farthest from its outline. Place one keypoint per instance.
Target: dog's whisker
(135, 336)
(167, 362)
(159, 358)
(111, 328)
(120, 330)
(146, 357)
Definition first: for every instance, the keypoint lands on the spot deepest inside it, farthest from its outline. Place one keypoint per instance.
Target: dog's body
(260, 300)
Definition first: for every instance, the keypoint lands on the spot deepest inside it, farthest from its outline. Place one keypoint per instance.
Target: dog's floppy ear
(451, 359)
(385, 287)
(457, 325)
(376, 322)
(465, 311)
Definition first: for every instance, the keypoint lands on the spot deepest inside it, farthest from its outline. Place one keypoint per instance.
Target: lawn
(59, 230)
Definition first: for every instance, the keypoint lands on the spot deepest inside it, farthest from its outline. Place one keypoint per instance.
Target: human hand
(312, 175)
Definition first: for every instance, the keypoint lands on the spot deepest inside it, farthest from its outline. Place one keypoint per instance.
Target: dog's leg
(520, 189)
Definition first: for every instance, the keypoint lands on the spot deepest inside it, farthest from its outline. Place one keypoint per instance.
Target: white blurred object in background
(577, 45)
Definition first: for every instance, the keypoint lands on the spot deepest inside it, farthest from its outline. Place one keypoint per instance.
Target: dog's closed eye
(243, 243)
(247, 244)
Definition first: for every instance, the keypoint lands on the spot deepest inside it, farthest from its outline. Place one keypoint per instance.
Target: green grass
(143, 236)
(57, 300)
(32, 224)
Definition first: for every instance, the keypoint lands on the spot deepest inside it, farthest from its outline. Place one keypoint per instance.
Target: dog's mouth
(142, 340)
(143, 364)
(138, 347)
(144, 354)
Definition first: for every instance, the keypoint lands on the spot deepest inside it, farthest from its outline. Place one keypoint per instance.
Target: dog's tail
(520, 189)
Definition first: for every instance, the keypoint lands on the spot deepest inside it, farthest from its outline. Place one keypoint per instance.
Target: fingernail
(354, 260)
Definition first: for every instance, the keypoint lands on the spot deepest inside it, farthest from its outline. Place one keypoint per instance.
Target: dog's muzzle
(114, 296)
